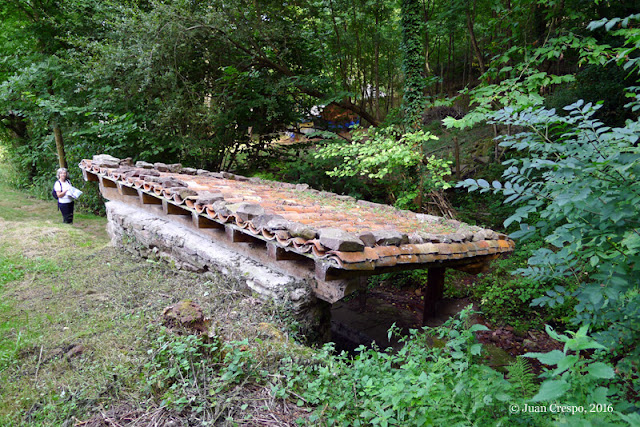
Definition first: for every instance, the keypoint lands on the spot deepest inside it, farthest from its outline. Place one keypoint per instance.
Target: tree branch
(285, 71)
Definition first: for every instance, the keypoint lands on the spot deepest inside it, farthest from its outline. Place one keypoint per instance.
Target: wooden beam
(126, 190)
(433, 293)
(203, 222)
(334, 290)
(147, 199)
(279, 253)
(107, 183)
(234, 235)
(171, 209)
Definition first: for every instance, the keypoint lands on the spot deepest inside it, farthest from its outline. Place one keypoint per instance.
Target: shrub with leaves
(421, 384)
(506, 298)
(581, 178)
(577, 379)
(194, 373)
(386, 157)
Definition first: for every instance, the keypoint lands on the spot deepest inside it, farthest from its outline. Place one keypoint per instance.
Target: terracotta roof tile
(315, 210)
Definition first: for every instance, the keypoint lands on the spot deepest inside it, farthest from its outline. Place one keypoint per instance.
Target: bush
(418, 385)
(506, 298)
(436, 379)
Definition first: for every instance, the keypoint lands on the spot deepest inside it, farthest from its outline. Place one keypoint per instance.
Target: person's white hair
(60, 171)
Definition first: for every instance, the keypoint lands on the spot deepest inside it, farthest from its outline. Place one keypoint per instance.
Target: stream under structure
(302, 248)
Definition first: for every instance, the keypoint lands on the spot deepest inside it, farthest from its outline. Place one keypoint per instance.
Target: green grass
(78, 319)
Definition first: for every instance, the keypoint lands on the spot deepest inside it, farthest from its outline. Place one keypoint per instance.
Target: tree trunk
(427, 17)
(456, 148)
(377, 70)
(16, 124)
(465, 60)
(412, 62)
(449, 79)
(57, 134)
(342, 66)
(474, 42)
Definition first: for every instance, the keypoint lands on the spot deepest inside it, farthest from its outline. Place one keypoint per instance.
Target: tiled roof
(346, 233)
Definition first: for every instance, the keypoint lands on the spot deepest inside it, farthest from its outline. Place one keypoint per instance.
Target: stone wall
(154, 236)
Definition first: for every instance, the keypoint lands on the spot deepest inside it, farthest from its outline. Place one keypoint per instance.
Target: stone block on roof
(106, 161)
(344, 198)
(390, 237)
(339, 240)
(297, 229)
(171, 182)
(220, 207)
(175, 168)
(372, 204)
(227, 175)
(208, 198)
(276, 222)
(428, 218)
(415, 238)
(144, 165)
(149, 174)
(183, 192)
(367, 238)
(246, 211)
(161, 167)
(485, 234)
(456, 237)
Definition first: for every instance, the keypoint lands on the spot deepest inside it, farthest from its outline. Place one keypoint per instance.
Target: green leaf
(483, 183)
(476, 349)
(478, 327)
(550, 358)
(551, 389)
(600, 370)
(565, 363)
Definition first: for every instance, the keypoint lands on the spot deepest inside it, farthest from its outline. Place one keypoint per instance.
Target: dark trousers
(67, 212)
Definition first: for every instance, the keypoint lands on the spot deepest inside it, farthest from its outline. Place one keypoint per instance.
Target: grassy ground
(81, 336)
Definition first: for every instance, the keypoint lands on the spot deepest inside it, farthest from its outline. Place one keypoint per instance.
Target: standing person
(65, 201)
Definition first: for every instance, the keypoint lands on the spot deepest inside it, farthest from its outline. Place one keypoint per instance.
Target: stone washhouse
(302, 247)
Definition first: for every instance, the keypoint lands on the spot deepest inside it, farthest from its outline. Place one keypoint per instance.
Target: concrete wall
(154, 236)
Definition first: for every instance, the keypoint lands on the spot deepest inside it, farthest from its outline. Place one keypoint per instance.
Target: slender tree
(412, 63)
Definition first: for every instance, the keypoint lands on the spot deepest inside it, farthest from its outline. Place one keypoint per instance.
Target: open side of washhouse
(333, 241)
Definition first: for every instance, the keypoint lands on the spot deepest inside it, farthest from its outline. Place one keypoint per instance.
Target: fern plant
(521, 376)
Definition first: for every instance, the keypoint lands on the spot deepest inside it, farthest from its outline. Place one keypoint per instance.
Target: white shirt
(62, 186)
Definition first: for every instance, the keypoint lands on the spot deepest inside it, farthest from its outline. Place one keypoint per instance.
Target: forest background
(535, 101)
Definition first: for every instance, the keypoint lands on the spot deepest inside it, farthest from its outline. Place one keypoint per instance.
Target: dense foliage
(578, 178)
(212, 84)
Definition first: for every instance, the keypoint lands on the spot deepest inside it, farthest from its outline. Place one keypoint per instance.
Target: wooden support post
(433, 293)
(279, 254)
(456, 147)
(107, 183)
(90, 177)
(171, 209)
(235, 235)
(126, 190)
(362, 297)
(147, 199)
(203, 222)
